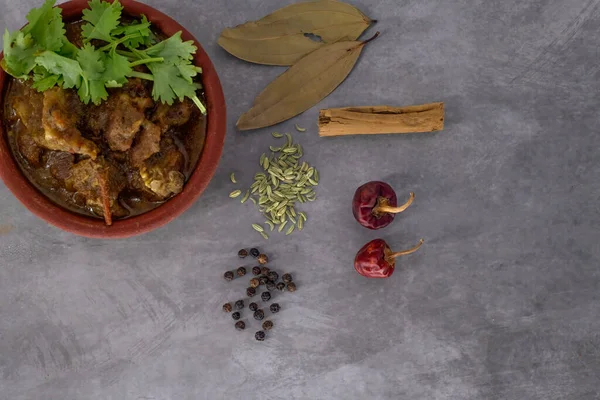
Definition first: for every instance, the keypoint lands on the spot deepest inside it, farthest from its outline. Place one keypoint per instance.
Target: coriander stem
(118, 42)
(199, 104)
(146, 61)
(129, 54)
(141, 75)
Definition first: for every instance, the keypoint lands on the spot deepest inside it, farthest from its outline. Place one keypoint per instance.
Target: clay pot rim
(78, 224)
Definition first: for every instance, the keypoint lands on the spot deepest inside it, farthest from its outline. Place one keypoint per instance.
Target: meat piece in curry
(120, 117)
(115, 160)
(60, 113)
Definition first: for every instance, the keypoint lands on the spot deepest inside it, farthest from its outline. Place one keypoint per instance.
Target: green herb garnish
(41, 52)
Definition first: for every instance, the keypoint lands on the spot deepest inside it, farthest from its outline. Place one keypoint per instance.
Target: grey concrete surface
(502, 302)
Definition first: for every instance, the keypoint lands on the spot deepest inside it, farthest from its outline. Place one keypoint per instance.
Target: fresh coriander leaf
(46, 26)
(102, 18)
(19, 54)
(142, 28)
(93, 68)
(173, 49)
(68, 69)
(117, 69)
(91, 62)
(68, 49)
(43, 79)
(151, 40)
(93, 91)
(172, 82)
(166, 78)
(188, 72)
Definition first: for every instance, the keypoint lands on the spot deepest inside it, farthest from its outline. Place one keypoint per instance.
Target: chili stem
(405, 252)
(382, 206)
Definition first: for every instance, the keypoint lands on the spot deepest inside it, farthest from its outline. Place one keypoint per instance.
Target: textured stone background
(501, 303)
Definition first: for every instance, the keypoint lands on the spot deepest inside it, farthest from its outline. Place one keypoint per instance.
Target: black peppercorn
(262, 259)
(291, 287)
(241, 271)
(267, 325)
(260, 336)
(272, 275)
(243, 253)
(259, 315)
(240, 325)
(256, 271)
(236, 315)
(265, 296)
(254, 252)
(281, 286)
(227, 307)
(287, 278)
(263, 280)
(254, 282)
(253, 306)
(239, 304)
(275, 308)
(228, 276)
(271, 286)
(250, 292)
(265, 271)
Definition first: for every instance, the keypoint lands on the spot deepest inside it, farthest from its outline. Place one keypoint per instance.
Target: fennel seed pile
(284, 181)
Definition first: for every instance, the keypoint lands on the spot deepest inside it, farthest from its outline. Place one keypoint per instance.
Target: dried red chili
(376, 259)
(375, 205)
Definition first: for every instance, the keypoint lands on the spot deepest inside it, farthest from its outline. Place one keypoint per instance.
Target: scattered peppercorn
(236, 315)
(228, 276)
(263, 280)
(254, 252)
(271, 286)
(275, 308)
(258, 315)
(254, 282)
(260, 336)
(243, 253)
(262, 259)
(265, 271)
(253, 306)
(287, 278)
(281, 286)
(240, 325)
(291, 287)
(267, 325)
(250, 292)
(239, 304)
(227, 307)
(273, 276)
(241, 271)
(265, 296)
(256, 271)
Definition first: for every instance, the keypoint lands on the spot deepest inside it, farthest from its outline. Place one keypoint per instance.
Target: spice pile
(263, 277)
(283, 182)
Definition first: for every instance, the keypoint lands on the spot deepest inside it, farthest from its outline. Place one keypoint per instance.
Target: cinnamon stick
(372, 120)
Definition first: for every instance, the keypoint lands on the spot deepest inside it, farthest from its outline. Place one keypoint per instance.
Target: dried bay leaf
(303, 85)
(279, 38)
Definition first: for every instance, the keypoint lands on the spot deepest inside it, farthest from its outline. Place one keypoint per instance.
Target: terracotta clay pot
(41, 206)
